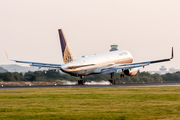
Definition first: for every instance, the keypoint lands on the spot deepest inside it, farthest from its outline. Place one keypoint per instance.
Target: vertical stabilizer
(66, 52)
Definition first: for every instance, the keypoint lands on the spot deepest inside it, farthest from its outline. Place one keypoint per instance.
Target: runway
(83, 86)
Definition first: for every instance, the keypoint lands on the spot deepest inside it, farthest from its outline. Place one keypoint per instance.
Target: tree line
(50, 75)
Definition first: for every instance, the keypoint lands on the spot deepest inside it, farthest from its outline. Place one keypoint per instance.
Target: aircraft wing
(38, 64)
(118, 67)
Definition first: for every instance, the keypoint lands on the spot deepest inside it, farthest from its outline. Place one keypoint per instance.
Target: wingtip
(6, 54)
(172, 54)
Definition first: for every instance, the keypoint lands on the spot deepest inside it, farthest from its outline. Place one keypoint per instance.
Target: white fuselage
(95, 63)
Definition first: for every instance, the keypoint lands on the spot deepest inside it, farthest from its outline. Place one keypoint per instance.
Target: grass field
(119, 103)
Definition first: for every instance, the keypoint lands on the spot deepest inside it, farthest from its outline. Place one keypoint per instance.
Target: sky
(146, 28)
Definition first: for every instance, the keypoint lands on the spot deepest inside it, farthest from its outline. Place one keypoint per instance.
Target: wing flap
(118, 67)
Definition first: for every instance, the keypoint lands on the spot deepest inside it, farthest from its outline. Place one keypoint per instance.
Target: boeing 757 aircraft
(104, 63)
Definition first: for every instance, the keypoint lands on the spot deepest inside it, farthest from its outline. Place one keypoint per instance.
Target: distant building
(113, 48)
(162, 69)
(173, 70)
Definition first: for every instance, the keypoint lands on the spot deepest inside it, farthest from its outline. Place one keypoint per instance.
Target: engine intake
(131, 72)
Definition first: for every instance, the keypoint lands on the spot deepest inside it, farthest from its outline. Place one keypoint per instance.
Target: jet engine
(131, 72)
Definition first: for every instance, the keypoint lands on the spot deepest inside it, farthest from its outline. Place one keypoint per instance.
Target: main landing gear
(81, 82)
(122, 75)
(112, 81)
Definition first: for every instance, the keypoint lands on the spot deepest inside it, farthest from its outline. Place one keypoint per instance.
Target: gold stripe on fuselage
(130, 60)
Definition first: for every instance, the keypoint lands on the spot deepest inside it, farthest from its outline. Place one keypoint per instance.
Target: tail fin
(66, 52)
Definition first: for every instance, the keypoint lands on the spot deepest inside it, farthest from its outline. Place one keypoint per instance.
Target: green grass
(123, 103)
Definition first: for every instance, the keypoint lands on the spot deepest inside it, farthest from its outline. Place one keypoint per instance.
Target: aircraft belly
(83, 72)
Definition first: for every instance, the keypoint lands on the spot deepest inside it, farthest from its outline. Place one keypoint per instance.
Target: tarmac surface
(83, 86)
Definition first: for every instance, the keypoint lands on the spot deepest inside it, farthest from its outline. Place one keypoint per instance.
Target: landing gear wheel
(113, 82)
(122, 75)
(81, 82)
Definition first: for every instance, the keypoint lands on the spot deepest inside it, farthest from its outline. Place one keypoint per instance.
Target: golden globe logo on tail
(66, 52)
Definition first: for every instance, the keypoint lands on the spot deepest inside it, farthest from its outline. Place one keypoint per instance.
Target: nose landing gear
(122, 74)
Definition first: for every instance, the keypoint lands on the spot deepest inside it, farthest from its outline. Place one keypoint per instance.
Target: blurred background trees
(50, 75)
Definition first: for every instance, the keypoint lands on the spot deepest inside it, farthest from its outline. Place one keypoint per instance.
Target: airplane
(103, 63)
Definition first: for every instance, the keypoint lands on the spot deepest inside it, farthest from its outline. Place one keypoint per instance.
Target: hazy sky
(146, 28)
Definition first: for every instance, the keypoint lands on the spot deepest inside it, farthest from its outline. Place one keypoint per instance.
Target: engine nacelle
(131, 72)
